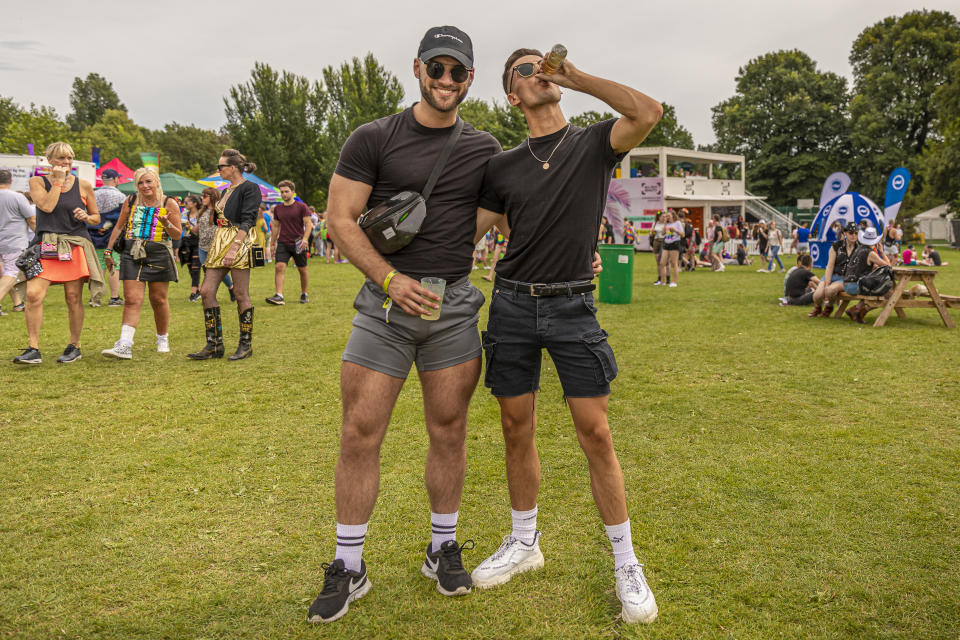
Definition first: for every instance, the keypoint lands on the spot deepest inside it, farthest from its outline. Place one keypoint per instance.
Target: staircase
(762, 211)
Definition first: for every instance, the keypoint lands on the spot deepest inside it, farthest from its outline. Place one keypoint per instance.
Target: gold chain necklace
(546, 163)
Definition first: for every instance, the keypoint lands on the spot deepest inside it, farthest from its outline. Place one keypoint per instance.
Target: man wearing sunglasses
(550, 191)
(379, 160)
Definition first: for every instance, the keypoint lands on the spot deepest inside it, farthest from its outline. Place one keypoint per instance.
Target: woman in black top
(190, 243)
(237, 207)
(65, 206)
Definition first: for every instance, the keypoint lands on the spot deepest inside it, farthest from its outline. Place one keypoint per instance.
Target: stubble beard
(428, 98)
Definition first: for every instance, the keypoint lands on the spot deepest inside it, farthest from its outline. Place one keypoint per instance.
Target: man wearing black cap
(109, 202)
(551, 190)
(379, 160)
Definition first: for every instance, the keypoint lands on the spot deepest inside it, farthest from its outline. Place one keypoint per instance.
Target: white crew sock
(622, 543)
(350, 539)
(126, 334)
(524, 525)
(444, 527)
(165, 336)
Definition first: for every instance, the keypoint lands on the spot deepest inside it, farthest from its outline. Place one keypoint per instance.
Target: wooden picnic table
(896, 302)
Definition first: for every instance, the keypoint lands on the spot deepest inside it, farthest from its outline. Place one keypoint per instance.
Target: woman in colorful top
(65, 206)
(206, 224)
(670, 253)
(149, 221)
(238, 208)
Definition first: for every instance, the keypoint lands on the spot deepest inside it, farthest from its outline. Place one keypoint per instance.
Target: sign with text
(630, 197)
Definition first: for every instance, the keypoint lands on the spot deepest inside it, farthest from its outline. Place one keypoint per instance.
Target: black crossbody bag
(394, 223)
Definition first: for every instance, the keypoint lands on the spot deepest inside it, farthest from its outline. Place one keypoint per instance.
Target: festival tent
(268, 192)
(847, 207)
(126, 173)
(172, 185)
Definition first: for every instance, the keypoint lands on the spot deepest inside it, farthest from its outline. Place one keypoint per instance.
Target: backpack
(726, 234)
(877, 282)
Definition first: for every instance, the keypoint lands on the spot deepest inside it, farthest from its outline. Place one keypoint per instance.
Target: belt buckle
(533, 290)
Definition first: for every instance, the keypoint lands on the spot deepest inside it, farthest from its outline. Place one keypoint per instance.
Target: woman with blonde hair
(237, 208)
(65, 206)
(670, 253)
(149, 222)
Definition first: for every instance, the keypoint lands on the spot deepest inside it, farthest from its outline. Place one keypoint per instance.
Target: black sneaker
(194, 297)
(340, 587)
(304, 299)
(276, 299)
(115, 302)
(446, 567)
(29, 356)
(70, 354)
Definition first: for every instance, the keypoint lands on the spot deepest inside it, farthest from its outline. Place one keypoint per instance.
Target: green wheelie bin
(616, 279)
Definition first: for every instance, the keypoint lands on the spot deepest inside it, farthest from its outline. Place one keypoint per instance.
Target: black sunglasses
(524, 70)
(458, 72)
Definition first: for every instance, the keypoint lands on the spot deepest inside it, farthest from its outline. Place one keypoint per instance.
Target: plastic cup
(437, 286)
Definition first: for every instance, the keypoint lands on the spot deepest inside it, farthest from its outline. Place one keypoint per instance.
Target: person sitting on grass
(909, 258)
(800, 283)
(742, 257)
(931, 258)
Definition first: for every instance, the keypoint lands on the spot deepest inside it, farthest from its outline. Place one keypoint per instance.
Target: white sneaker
(672, 284)
(511, 558)
(638, 602)
(163, 344)
(658, 284)
(120, 351)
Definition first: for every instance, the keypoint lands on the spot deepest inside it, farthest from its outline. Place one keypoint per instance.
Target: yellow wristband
(386, 281)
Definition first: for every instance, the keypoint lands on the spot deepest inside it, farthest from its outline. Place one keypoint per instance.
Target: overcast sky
(176, 60)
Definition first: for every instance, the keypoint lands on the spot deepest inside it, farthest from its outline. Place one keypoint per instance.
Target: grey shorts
(391, 347)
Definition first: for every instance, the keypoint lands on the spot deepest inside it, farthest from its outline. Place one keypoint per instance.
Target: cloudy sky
(176, 60)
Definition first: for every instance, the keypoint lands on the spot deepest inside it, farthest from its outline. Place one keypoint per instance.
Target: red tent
(126, 175)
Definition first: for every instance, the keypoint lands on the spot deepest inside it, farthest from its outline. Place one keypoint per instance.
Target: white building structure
(703, 182)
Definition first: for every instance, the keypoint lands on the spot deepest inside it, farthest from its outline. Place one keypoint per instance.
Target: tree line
(796, 124)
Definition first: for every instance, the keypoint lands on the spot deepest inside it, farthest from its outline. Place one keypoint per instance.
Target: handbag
(394, 223)
(877, 282)
(29, 262)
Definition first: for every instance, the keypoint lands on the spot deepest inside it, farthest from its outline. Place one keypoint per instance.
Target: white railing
(764, 211)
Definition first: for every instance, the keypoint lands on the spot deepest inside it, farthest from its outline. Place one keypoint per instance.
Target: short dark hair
(805, 260)
(5, 177)
(287, 183)
(508, 66)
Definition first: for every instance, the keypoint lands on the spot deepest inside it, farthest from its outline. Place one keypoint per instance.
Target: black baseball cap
(447, 41)
(109, 174)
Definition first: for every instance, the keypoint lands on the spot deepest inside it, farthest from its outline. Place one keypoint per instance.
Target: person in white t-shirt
(670, 253)
(16, 216)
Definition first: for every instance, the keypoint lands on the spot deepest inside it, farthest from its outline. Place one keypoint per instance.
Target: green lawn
(786, 477)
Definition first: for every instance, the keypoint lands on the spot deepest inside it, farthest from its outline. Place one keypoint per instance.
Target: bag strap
(442, 159)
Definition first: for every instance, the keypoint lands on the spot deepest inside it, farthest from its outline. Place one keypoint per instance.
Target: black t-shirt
(797, 283)
(397, 153)
(935, 257)
(717, 234)
(243, 204)
(554, 215)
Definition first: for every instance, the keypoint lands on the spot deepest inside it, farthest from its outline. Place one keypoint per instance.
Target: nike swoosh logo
(355, 585)
(433, 565)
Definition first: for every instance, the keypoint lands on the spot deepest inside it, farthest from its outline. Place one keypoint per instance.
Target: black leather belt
(545, 289)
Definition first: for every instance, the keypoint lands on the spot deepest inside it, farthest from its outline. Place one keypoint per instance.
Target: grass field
(786, 477)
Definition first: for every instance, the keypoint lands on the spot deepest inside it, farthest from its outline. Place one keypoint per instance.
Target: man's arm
(346, 201)
(486, 220)
(307, 229)
(639, 113)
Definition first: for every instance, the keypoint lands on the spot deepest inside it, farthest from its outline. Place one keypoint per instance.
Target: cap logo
(447, 35)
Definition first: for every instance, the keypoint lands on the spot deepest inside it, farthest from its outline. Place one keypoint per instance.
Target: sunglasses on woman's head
(524, 70)
(435, 70)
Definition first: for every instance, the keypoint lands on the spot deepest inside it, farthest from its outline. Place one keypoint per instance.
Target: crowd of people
(65, 231)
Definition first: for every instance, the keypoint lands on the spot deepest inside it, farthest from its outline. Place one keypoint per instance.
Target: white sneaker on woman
(672, 284)
(163, 344)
